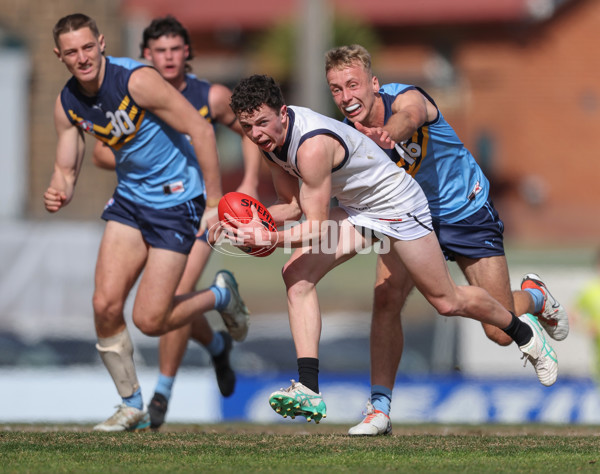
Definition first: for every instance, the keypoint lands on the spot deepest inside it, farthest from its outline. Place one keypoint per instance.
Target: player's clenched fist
(54, 200)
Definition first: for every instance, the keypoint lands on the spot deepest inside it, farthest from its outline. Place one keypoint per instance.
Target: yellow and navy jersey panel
(149, 154)
(196, 92)
(452, 180)
(111, 117)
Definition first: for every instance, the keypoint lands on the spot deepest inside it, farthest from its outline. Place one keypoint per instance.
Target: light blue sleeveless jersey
(452, 180)
(156, 165)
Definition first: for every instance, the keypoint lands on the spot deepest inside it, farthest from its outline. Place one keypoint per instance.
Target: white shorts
(410, 226)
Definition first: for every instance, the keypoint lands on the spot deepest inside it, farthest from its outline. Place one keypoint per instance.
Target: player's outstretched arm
(377, 134)
(70, 149)
(409, 112)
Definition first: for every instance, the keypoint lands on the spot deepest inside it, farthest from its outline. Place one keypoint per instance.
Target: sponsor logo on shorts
(109, 203)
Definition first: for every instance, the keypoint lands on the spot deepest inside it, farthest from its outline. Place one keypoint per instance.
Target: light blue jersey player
(405, 121)
(455, 186)
(134, 169)
(155, 164)
(452, 180)
(167, 188)
(166, 46)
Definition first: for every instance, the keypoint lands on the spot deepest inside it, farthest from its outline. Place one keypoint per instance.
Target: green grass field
(300, 448)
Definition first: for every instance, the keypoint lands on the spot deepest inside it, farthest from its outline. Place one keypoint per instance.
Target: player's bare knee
(149, 325)
(299, 289)
(295, 278)
(445, 307)
(150, 329)
(107, 311)
(289, 274)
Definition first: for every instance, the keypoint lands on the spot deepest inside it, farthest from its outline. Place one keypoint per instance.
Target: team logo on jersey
(86, 126)
(475, 191)
(175, 187)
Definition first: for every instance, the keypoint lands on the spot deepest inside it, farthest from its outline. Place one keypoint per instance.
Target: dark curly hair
(167, 25)
(254, 91)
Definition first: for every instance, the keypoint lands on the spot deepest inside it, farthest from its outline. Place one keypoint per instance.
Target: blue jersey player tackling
(166, 189)
(405, 121)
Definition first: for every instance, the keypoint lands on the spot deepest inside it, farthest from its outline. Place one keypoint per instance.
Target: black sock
(520, 332)
(308, 371)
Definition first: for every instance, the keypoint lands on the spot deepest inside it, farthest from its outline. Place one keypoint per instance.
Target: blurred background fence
(449, 372)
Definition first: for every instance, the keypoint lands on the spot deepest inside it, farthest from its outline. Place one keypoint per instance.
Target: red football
(237, 205)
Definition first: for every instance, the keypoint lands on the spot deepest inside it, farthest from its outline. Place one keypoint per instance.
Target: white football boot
(298, 400)
(539, 352)
(125, 419)
(375, 423)
(236, 315)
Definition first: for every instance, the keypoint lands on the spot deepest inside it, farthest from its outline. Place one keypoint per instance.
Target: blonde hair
(344, 56)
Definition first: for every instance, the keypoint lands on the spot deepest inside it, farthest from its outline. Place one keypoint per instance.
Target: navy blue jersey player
(167, 188)
(166, 46)
(405, 121)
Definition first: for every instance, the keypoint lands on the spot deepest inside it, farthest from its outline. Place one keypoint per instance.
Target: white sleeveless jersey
(367, 182)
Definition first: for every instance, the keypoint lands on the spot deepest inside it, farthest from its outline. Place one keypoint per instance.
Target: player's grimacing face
(168, 55)
(81, 52)
(353, 90)
(266, 127)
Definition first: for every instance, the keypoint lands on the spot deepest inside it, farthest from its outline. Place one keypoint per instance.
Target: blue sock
(538, 299)
(222, 297)
(216, 346)
(134, 400)
(164, 386)
(381, 398)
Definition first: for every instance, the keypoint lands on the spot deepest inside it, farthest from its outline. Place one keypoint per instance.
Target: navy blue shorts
(173, 228)
(477, 236)
(203, 237)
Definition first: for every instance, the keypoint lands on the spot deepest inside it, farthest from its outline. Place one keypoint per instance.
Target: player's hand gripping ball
(237, 205)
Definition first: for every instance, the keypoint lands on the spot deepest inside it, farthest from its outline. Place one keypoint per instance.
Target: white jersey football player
(335, 160)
